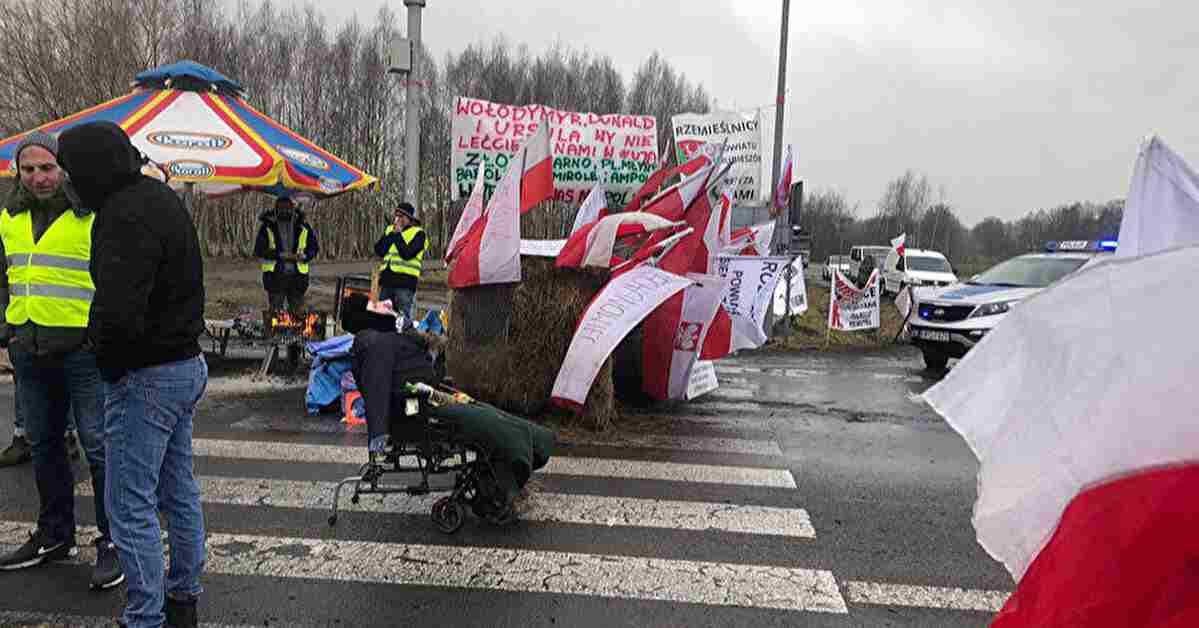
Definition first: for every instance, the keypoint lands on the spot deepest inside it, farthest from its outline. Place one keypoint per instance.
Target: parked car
(947, 322)
(858, 254)
(836, 263)
(916, 267)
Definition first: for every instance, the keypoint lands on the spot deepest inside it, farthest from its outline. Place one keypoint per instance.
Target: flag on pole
(898, 243)
(1081, 410)
(537, 180)
(782, 189)
(594, 245)
(471, 212)
(674, 201)
(688, 316)
(594, 207)
(651, 185)
(490, 251)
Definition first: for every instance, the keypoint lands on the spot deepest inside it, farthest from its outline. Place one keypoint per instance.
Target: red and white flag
(688, 316)
(674, 201)
(782, 189)
(594, 245)
(594, 207)
(753, 240)
(898, 243)
(490, 251)
(651, 185)
(1081, 410)
(537, 182)
(623, 303)
(471, 212)
(752, 281)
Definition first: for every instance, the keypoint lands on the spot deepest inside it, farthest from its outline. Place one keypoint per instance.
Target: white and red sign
(690, 316)
(615, 311)
(752, 282)
(852, 308)
(619, 151)
(743, 133)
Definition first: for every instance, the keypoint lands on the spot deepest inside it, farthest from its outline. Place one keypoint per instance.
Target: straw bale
(507, 342)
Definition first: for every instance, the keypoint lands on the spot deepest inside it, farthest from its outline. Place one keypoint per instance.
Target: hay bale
(507, 342)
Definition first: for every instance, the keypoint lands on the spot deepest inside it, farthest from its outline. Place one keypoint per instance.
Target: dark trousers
(285, 291)
(51, 388)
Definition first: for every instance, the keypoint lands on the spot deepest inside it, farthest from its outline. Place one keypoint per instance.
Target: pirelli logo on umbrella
(189, 140)
(191, 169)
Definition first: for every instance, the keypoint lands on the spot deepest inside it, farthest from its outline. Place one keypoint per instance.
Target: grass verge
(810, 329)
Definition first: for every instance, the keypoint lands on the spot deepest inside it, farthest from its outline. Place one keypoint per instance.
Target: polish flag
(537, 182)
(594, 245)
(674, 201)
(651, 185)
(688, 316)
(594, 207)
(898, 243)
(753, 240)
(782, 189)
(490, 252)
(1081, 410)
(471, 212)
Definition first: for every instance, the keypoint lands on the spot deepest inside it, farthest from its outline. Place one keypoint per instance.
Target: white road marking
(550, 507)
(602, 467)
(881, 594)
(621, 577)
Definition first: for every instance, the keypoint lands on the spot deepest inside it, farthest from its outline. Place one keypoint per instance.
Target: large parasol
(193, 122)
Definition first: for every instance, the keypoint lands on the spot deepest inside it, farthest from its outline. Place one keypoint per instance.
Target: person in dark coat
(145, 324)
(286, 244)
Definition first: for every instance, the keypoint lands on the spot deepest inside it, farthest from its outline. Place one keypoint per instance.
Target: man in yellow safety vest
(46, 291)
(286, 244)
(402, 248)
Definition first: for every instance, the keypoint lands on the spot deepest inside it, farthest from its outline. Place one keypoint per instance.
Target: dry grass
(517, 372)
(811, 328)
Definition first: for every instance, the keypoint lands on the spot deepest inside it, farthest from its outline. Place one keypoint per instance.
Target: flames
(285, 323)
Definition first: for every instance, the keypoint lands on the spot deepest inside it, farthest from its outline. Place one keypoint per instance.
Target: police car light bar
(1081, 246)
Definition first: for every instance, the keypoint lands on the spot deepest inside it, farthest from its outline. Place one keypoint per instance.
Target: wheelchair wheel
(448, 515)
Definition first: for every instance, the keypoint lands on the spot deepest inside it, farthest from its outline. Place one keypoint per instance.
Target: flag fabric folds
(594, 245)
(471, 212)
(1162, 209)
(594, 207)
(490, 252)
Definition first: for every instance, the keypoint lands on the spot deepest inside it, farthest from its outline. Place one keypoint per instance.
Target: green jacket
(35, 338)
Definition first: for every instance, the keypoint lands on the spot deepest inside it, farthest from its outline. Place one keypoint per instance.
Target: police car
(946, 322)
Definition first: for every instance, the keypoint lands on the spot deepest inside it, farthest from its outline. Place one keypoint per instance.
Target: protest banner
(743, 132)
(852, 308)
(614, 312)
(750, 292)
(703, 379)
(619, 151)
(799, 292)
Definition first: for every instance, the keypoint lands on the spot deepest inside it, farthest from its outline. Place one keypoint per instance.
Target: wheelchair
(427, 445)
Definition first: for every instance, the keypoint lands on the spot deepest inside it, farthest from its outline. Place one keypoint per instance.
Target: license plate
(935, 336)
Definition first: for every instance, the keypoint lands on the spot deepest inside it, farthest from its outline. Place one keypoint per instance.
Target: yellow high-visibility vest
(49, 281)
(398, 264)
(269, 266)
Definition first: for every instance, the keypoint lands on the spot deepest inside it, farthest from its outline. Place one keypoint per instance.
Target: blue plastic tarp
(330, 362)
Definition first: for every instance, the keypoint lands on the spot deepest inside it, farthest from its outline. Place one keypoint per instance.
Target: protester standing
(46, 291)
(146, 320)
(286, 244)
(402, 248)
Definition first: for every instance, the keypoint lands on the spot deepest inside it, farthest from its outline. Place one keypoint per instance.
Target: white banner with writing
(752, 283)
(614, 312)
(743, 130)
(852, 308)
(618, 150)
(799, 292)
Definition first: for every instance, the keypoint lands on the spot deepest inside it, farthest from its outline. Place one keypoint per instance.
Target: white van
(918, 267)
(859, 253)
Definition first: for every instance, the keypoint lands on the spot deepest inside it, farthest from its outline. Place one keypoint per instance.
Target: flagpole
(781, 221)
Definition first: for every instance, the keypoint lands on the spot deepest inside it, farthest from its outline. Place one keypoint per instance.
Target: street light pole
(782, 229)
(412, 110)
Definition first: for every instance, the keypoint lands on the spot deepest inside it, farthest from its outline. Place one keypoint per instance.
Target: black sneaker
(19, 452)
(107, 573)
(180, 613)
(39, 549)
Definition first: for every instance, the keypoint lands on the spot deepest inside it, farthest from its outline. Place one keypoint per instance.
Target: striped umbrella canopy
(194, 124)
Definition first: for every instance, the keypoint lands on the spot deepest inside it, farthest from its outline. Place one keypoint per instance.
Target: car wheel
(935, 360)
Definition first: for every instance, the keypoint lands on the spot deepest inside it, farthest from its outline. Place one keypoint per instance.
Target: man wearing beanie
(46, 244)
(146, 322)
(402, 248)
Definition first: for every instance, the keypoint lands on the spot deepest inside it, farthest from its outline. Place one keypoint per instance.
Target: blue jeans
(148, 425)
(402, 300)
(18, 421)
(51, 388)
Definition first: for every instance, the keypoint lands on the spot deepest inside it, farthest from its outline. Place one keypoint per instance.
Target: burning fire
(309, 325)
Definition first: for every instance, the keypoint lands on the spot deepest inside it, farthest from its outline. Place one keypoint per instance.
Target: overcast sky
(1008, 105)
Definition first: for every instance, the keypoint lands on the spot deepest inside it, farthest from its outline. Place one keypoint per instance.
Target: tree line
(327, 83)
(911, 205)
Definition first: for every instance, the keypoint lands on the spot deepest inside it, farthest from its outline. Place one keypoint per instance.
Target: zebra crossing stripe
(528, 571)
(592, 467)
(882, 594)
(547, 507)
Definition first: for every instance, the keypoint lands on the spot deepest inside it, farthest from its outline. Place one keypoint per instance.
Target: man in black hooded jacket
(146, 319)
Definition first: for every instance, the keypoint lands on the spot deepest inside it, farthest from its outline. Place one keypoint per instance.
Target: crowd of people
(102, 301)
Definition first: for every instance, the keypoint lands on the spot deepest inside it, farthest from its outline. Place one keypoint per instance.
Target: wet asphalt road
(886, 485)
